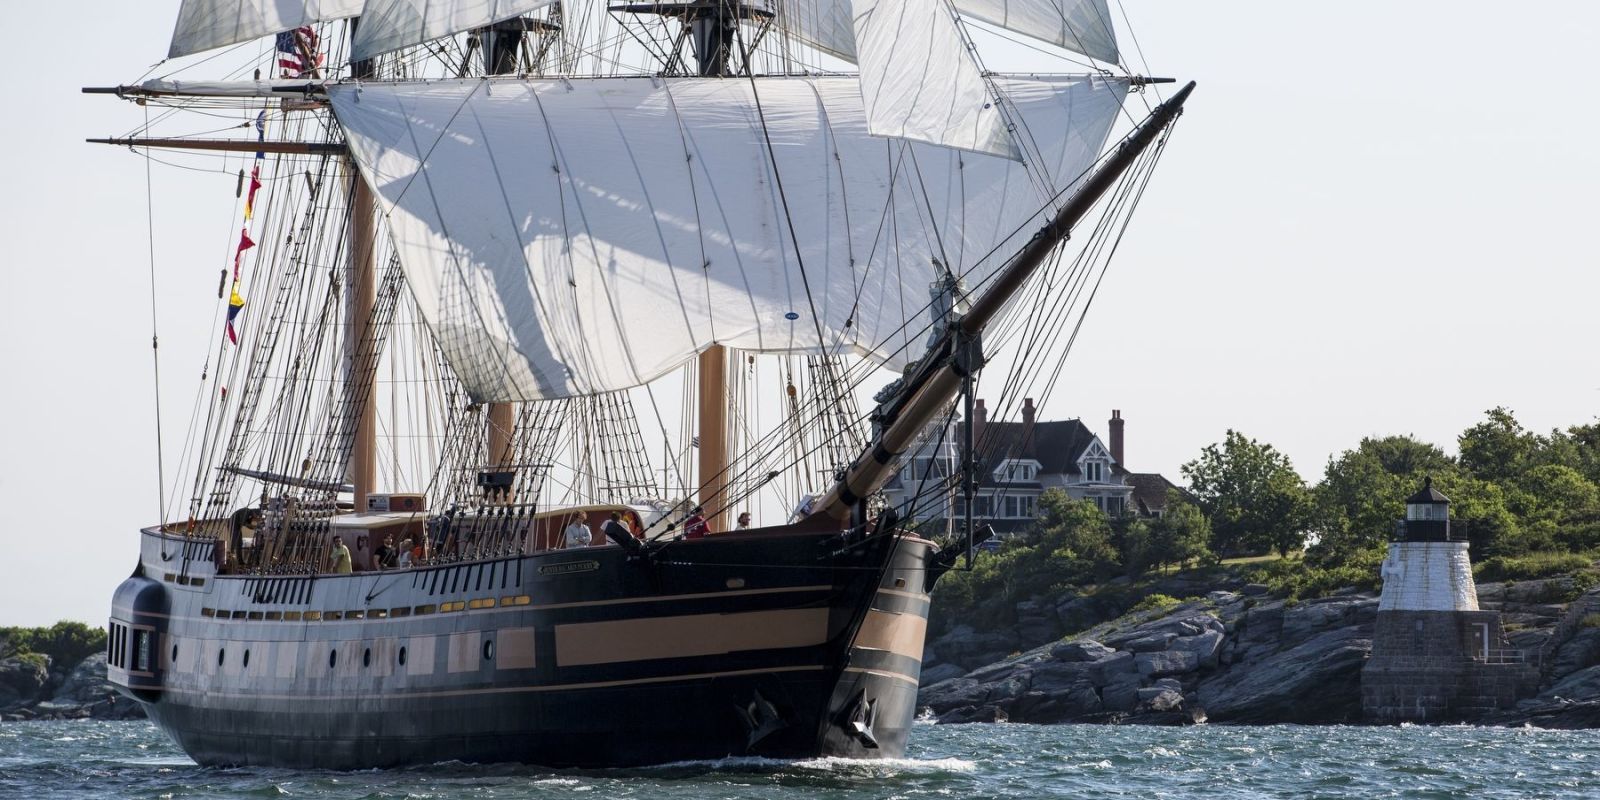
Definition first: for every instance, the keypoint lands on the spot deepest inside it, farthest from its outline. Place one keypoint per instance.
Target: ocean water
(965, 762)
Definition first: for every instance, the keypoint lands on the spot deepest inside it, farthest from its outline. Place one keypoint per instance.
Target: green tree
(1498, 448)
(1075, 537)
(66, 643)
(1363, 492)
(1251, 495)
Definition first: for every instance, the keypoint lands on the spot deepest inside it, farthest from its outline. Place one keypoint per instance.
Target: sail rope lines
(155, 340)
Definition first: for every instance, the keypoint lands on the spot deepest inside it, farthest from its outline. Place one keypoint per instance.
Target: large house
(1017, 462)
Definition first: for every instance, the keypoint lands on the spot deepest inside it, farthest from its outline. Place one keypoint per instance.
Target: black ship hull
(784, 643)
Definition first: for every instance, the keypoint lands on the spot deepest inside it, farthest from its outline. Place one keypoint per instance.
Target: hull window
(246, 661)
(174, 654)
(402, 656)
(488, 650)
(222, 655)
(333, 658)
(366, 657)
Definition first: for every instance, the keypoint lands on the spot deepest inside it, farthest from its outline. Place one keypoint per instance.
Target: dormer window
(1094, 471)
(1017, 471)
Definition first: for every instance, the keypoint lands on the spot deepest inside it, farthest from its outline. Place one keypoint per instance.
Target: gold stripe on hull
(898, 633)
(617, 641)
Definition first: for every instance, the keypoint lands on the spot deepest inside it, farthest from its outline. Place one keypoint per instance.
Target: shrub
(1531, 566)
(1156, 602)
(1590, 621)
(66, 643)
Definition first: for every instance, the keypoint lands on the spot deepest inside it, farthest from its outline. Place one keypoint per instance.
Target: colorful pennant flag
(245, 243)
(250, 199)
(235, 305)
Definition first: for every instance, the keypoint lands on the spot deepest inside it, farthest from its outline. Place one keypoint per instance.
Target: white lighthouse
(1428, 569)
(1435, 656)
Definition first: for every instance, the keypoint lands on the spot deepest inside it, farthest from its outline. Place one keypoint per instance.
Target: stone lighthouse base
(1441, 666)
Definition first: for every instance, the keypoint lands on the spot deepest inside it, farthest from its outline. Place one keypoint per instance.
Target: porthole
(174, 654)
(246, 663)
(333, 658)
(402, 656)
(221, 654)
(488, 650)
(366, 657)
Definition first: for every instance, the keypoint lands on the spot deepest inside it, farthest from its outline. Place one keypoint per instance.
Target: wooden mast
(362, 286)
(714, 402)
(500, 43)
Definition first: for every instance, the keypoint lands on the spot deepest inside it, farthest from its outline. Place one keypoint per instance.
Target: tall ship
(534, 422)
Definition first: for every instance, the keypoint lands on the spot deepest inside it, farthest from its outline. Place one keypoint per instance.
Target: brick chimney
(1115, 426)
(1027, 427)
(980, 418)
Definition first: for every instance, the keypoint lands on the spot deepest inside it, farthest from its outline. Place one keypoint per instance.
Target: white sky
(1376, 218)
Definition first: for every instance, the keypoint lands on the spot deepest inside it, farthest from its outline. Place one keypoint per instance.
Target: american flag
(297, 52)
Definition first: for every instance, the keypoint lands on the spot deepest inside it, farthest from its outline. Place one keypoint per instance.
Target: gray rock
(1222, 598)
(970, 714)
(1172, 662)
(1168, 683)
(971, 649)
(86, 683)
(941, 672)
(1119, 663)
(1255, 589)
(1083, 650)
(1166, 700)
(1155, 642)
(1579, 652)
(1121, 694)
(1317, 681)
(1075, 702)
(22, 679)
(947, 695)
(1059, 676)
(1204, 647)
(1580, 686)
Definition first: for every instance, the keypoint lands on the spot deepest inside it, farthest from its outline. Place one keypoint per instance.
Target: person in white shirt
(744, 521)
(577, 534)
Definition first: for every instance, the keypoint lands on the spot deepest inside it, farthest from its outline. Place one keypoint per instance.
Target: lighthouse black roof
(1428, 494)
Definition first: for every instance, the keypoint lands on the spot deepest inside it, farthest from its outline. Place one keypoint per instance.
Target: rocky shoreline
(33, 688)
(1238, 656)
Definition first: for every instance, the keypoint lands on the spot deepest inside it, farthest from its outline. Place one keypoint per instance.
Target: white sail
(566, 237)
(392, 24)
(1082, 26)
(204, 24)
(919, 80)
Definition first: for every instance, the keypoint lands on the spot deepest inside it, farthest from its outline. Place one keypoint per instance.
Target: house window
(1011, 507)
(981, 506)
(1025, 504)
(961, 507)
(1093, 471)
(1113, 505)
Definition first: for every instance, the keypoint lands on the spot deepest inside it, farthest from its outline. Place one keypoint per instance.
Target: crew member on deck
(341, 556)
(744, 521)
(577, 534)
(695, 526)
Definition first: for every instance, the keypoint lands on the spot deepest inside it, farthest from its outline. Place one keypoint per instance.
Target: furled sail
(1082, 26)
(204, 24)
(919, 80)
(572, 236)
(392, 24)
